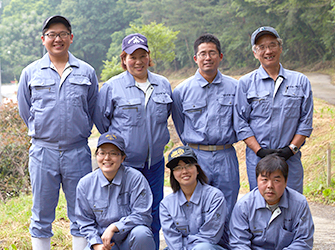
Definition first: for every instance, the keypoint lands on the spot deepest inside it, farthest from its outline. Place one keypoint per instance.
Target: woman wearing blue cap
(137, 104)
(113, 204)
(193, 216)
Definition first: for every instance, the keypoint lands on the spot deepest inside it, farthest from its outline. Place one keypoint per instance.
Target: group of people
(121, 205)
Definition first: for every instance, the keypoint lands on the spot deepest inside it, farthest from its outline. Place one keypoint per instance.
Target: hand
(102, 247)
(266, 151)
(285, 152)
(108, 235)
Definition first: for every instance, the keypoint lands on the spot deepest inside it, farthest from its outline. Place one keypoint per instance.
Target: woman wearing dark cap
(113, 204)
(193, 216)
(137, 104)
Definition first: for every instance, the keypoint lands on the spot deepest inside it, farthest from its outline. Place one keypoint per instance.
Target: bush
(14, 157)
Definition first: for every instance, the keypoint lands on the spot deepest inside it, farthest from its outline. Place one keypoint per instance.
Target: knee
(204, 246)
(142, 236)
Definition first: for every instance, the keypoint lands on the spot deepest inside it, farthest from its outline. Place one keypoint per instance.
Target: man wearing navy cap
(56, 98)
(273, 110)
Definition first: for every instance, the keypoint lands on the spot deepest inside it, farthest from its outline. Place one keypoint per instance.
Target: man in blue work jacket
(202, 111)
(56, 98)
(272, 216)
(273, 110)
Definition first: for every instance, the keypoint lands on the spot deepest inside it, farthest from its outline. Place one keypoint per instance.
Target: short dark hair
(270, 164)
(201, 174)
(207, 38)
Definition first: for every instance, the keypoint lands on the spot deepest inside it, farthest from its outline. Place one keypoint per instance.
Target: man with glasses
(56, 99)
(273, 110)
(202, 112)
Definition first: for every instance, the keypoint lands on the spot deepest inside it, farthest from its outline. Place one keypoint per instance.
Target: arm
(140, 203)
(239, 235)
(23, 97)
(304, 230)
(177, 113)
(173, 237)
(92, 95)
(103, 112)
(85, 217)
(212, 229)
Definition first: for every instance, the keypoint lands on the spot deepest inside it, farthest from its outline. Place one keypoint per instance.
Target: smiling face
(109, 160)
(186, 174)
(208, 60)
(270, 57)
(137, 64)
(57, 47)
(271, 186)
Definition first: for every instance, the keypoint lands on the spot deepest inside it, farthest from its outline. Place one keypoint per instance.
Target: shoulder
(228, 79)
(248, 76)
(295, 197)
(295, 76)
(184, 85)
(170, 199)
(87, 179)
(210, 191)
(36, 65)
(133, 176)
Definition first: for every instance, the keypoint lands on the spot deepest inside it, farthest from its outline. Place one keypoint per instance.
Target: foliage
(111, 68)
(14, 145)
(160, 41)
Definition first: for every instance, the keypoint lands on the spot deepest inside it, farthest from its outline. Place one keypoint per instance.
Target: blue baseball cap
(265, 30)
(56, 19)
(112, 138)
(178, 154)
(133, 42)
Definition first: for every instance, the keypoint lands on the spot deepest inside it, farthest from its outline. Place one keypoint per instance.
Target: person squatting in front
(113, 205)
(137, 104)
(193, 216)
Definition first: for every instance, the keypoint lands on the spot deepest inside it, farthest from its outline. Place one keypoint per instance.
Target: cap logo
(111, 137)
(261, 28)
(177, 153)
(136, 39)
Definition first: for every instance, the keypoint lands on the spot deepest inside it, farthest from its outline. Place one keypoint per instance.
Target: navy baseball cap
(265, 30)
(56, 19)
(178, 154)
(112, 138)
(133, 42)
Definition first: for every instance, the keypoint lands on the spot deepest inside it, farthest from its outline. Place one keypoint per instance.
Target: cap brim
(131, 49)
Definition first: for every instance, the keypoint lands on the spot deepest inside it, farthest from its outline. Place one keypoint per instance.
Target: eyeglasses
(271, 46)
(211, 54)
(180, 168)
(111, 154)
(53, 35)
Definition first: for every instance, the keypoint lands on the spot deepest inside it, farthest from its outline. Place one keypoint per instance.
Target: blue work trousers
(49, 169)
(155, 177)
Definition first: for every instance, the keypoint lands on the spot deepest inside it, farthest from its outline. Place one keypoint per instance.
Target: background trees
(307, 28)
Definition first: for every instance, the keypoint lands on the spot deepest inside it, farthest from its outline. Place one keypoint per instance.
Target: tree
(160, 41)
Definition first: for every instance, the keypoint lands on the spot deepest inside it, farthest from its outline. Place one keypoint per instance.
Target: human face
(111, 161)
(208, 65)
(185, 174)
(269, 58)
(137, 64)
(57, 47)
(271, 186)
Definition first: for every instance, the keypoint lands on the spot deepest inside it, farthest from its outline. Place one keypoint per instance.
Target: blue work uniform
(254, 226)
(58, 113)
(186, 224)
(125, 202)
(203, 115)
(274, 117)
(141, 119)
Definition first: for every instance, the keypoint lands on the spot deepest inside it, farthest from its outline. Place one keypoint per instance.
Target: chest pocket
(130, 111)
(100, 208)
(123, 201)
(292, 100)
(225, 110)
(43, 92)
(260, 104)
(182, 226)
(161, 106)
(194, 111)
(78, 90)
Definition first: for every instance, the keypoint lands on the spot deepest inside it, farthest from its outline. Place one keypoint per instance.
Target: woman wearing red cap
(137, 104)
